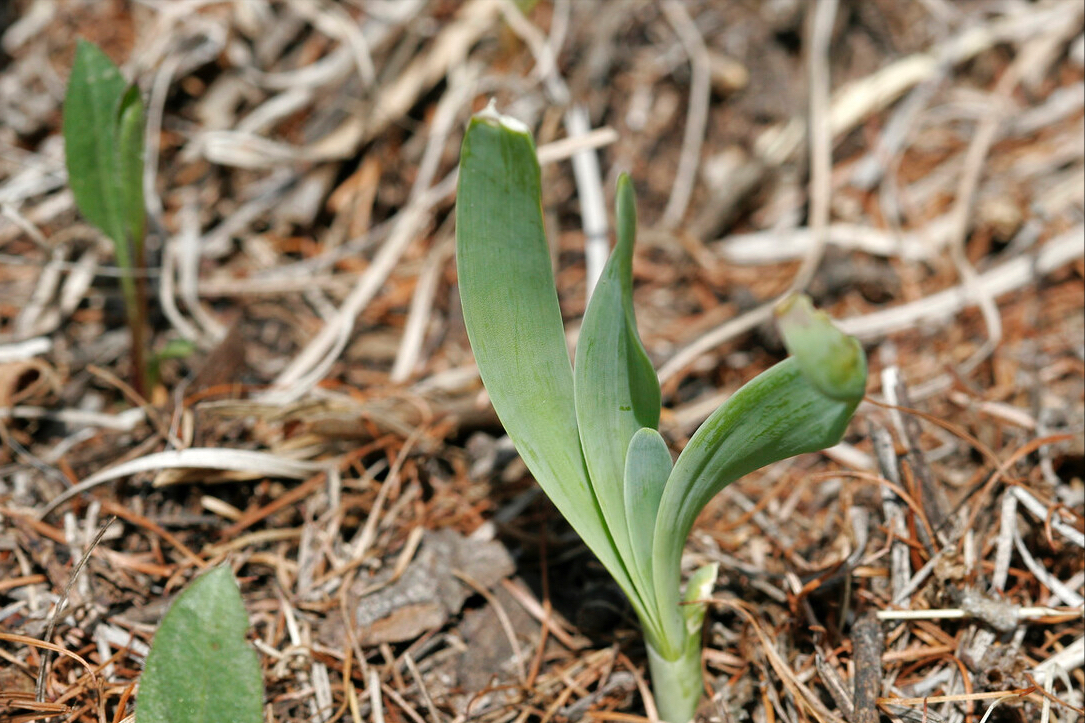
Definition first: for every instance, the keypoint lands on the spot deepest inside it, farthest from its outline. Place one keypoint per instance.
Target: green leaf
(200, 668)
(510, 309)
(615, 386)
(95, 89)
(647, 466)
(103, 148)
(176, 349)
(829, 358)
(128, 157)
(780, 413)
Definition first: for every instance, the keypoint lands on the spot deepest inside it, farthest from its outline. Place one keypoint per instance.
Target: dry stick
(642, 687)
(404, 705)
(543, 614)
(929, 494)
(420, 682)
(900, 560)
(697, 117)
(589, 189)
(821, 138)
(414, 331)
(333, 21)
(1033, 505)
(137, 399)
(773, 246)
(1023, 613)
(29, 320)
(957, 698)
(187, 243)
(359, 546)
(996, 281)
(546, 65)
(962, 213)
(868, 644)
(833, 683)
(919, 578)
(858, 99)
(373, 687)
(1041, 573)
(166, 288)
(1007, 525)
(463, 82)
(39, 685)
(940, 306)
(152, 134)
(192, 457)
(314, 362)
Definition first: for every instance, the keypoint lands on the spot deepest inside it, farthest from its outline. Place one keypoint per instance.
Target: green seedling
(103, 149)
(200, 668)
(587, 432)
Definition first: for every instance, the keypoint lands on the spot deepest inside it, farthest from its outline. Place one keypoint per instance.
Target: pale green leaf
(128, 157)
(779, 414)
(200, 668)
(616, 388)
(647, 465)
(698, 589)
(828, 357)
(510, 309)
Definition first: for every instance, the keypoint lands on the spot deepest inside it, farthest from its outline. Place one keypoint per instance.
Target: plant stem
(133, 286)
(677, 683)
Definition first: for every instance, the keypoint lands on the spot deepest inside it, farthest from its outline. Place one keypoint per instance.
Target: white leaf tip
(492, 115)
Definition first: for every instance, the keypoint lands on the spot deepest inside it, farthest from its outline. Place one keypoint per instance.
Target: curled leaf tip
(491, 115)
(833, 361)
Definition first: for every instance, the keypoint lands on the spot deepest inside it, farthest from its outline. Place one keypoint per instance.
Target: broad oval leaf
(615, 386)
(95, 89)
(200, 668)
(510, 309)
(103, 138)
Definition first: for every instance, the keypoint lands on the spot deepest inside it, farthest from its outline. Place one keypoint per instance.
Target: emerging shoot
(588, 432)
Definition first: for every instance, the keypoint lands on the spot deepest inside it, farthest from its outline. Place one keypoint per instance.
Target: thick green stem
(676, 683)
(675, 664)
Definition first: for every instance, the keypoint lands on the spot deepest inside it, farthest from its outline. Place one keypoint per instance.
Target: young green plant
(200, 668)
(103, 149)
(587, 432)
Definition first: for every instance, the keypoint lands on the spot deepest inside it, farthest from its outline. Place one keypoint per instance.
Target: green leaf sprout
(588, 432)
(103, 149)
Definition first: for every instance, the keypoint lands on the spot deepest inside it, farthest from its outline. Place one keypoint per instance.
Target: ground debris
(391, 609)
